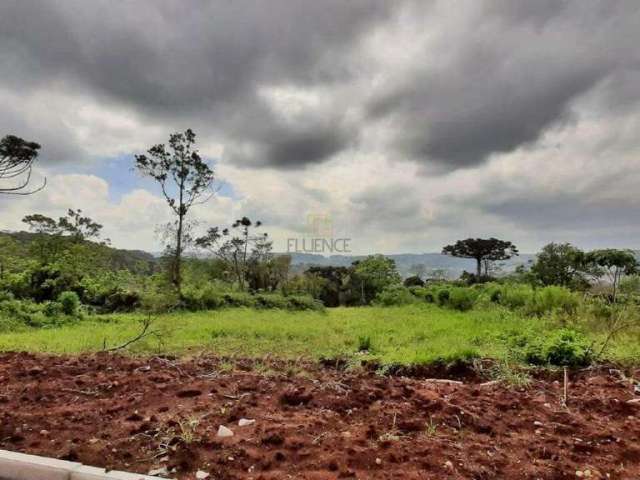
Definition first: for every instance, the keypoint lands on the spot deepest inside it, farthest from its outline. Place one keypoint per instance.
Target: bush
(443, 296)
(205, 298)
(462, 299)
(303, 302)
(515, 295)
(414, 281)
(394, 295)
(238, 299)
(122, 301)
(70, 303)
(16, 314)
(6, 295)
(566, 347)
(550, 299)
(271, 301)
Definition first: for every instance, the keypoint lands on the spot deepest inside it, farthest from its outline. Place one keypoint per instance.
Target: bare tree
(186, 180)
(16, 164)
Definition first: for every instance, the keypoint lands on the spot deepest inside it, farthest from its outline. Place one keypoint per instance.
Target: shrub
(552, 298)
(238, 299)
(6, 295)
(15, 314)
(462, 299)
(303, 302)
(271, 301)
(122, 301)
(413, 281)
(443, 296)
(568, 348)
(395, 295)
(515, 295)
(204, 298)
(564, 347)
(70, 303)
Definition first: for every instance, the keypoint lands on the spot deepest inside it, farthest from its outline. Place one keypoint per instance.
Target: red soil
(313, 422)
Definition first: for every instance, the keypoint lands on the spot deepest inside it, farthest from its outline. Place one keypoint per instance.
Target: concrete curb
(20, 466)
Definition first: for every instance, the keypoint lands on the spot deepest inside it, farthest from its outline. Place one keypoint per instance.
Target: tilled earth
(314, 421)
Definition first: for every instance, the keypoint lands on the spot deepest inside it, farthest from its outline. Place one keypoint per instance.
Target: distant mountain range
(452, 267)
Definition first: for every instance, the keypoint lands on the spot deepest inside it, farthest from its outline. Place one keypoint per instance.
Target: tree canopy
(16, 163)
(185, 180)
(481, 249)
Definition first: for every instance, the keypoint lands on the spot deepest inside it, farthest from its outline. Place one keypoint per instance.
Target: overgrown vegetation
(62, 275)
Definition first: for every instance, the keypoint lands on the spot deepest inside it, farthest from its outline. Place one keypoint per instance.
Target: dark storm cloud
(493, 80)
(505, 80)
(292, 146)
(203, 62)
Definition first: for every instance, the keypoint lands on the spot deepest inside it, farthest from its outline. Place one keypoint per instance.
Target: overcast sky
(410, 123)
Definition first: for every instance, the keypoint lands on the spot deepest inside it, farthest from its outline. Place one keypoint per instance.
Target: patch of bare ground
(313, 421)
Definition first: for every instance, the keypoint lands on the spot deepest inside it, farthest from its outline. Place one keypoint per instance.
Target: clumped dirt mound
(312, 422)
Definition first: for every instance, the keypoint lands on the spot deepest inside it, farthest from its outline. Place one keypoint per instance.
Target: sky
(408, 124)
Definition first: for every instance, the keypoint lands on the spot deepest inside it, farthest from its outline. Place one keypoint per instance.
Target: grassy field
(405, 335)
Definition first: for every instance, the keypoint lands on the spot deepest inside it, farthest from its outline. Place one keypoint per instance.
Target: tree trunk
(178, 256)
(479, 267)
(177, 264)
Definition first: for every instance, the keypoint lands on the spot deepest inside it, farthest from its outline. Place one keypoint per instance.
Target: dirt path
(312, 422)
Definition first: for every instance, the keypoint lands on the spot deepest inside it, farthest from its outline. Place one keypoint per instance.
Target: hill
(136, 261)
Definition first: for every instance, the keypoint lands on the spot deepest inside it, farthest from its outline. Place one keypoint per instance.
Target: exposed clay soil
(315, 422)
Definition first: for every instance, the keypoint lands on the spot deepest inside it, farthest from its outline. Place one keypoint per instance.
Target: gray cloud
(507, 78)
(504, 74)
(203, 64)
(340, 88)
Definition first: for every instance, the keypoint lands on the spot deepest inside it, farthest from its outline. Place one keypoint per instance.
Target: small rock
(224, 431)
(159, 472)
(579, 474)
(634, 401)
(537, 423)
(201, 475)
(378, 461)
(93, 441)
(44, 432)
(243, 422)
(448, 464)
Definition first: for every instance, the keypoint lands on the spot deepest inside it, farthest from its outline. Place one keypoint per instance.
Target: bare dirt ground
(314, 421)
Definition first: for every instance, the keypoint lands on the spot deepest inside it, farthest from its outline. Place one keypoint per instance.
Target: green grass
(411, 334)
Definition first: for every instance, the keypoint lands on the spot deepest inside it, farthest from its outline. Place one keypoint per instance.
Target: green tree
(561, 264)
(79, 228)
(613, 264)
(481, 250)
(16, 164)
(185, 179)
(372, 275)
(332, 283)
